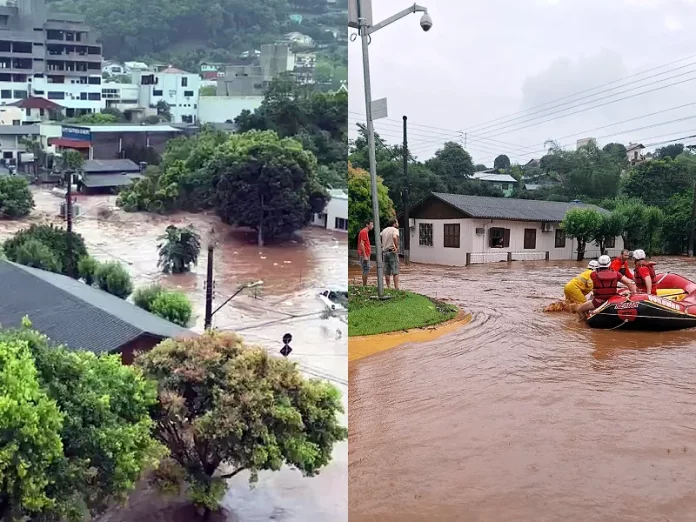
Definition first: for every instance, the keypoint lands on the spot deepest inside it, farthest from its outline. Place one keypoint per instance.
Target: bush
(174, 307)
(87, 268)
(145, 296)
(37, 255)
(114, 279)
(56, 239)
(16, 200)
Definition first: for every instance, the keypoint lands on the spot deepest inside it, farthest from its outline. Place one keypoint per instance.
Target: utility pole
(692, 223)
(69, 219)
(465, 137)
(404, 197)
(209, 287)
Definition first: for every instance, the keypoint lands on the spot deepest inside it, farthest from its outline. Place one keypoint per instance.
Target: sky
(505, 76)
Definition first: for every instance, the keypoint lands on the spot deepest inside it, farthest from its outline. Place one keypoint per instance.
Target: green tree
(251, 412)
(88, 418)
(56, 239)
(452, 164)
(114, 279)
(72, 159)
(87, 269)
(32, 144)
(208, 90)
(617, 153)
(479, 167)
(97, 118)
(179, 249)
(676, 227)
(583, 224)
(360, 201)
(501, 163)
(611, 227)
(174, 307)
(267, 183)
(642, 224)
(656, 181)
(16, 200)
(144, 296)
(163, 110)
(31, 423)
(669, 151)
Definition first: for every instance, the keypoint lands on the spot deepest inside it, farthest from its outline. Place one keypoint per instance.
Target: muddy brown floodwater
(521, 415)
(293, 273)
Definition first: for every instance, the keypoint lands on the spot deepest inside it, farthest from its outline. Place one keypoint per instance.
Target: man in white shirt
(390, 246)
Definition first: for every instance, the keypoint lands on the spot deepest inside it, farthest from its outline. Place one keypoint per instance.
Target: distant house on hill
(81, 317)
(457, 230)
(504, 182)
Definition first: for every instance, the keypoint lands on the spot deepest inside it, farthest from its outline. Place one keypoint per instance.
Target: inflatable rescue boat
(673, 308)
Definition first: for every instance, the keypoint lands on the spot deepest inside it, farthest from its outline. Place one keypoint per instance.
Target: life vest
(620, 266)
(605, 285)
(640, 282)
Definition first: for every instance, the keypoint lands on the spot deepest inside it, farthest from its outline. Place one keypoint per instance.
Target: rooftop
(509, 208)
(173, 70)
(35, 103)
(109, 180)
(124, 127)
(112, 165)
(338, 194)
(19, 130)
(493, 176)
(71, 313)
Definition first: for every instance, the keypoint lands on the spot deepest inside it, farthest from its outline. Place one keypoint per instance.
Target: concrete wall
(478, 245)
(337, 207)
(219, 109)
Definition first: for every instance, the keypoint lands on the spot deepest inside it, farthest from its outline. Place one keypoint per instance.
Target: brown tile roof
(35, 103)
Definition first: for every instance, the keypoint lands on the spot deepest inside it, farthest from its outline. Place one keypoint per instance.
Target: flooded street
(293, 273)
(521, 415)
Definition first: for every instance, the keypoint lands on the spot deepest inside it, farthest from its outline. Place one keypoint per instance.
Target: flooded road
(524, 416)
(292, 272)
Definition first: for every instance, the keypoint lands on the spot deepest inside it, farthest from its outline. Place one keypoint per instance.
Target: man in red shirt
(620, 264)
(364, 249)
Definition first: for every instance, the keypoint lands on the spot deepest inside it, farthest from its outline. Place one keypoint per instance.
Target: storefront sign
(77, 133)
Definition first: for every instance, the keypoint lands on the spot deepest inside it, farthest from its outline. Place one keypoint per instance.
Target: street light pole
(365, 31)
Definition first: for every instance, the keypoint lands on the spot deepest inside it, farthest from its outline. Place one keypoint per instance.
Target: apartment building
(49, 55)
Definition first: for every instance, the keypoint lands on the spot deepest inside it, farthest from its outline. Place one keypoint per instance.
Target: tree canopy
(360, 201)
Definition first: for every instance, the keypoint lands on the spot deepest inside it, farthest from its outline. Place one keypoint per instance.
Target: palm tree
(179, 249)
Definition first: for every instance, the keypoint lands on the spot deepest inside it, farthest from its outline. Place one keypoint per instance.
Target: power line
(585, 90)
(504, 131)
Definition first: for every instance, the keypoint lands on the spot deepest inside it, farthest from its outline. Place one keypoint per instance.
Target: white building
(455, 230)
(634, 152)
(122, 96)
(131, 67)
(220, 109)
(335, 215)
(113, 68)
(179, 89)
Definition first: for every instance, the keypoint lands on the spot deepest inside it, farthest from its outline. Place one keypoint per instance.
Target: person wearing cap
(644, 273)
(576, 289)
(605, 285)
(620, 264)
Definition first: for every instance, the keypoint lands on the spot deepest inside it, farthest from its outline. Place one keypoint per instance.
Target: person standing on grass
(364, 249)
(390, 247)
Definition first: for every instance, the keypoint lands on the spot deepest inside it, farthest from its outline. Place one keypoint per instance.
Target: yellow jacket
(583, 282)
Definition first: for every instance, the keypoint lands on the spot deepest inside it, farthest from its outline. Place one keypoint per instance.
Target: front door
(530, 238)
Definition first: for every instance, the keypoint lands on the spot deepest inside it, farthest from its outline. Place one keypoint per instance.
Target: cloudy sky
(508, 73)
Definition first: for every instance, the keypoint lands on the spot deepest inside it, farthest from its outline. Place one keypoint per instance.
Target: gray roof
(126, 127)
(510, 208)
(70, 312)
(493, 177)
(108, 180)
(112, 165)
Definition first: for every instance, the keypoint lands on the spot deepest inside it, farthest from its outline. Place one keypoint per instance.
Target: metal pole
(371, 152)
(70, 269)
(692, 223)
(209, 289)
(404, 196)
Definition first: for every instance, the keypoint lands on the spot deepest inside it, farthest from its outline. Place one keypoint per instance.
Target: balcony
(73, 57)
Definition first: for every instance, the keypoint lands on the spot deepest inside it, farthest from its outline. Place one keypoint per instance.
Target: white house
(335, 215)
(179, 89)
(455, 230)
(505, 182)
(634, 152)
(113, 68)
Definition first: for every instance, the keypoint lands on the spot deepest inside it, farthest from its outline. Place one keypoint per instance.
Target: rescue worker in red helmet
(620, 264)
(644, 273)
(604, 286)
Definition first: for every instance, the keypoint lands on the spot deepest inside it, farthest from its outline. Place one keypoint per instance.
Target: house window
(425, 234)
(505, 186)
(499, 237)
(157, 92)
(452, 235)
(22, 95)
(560, 238)
(5, 94)
(83, 95)
(341, 224)
(188, 94)
(184, 81)
(55, 95)
(529, 238)
(94, 96)
(94, 80)
(610, 242)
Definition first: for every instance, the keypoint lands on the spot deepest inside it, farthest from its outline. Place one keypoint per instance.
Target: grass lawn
(405, 310)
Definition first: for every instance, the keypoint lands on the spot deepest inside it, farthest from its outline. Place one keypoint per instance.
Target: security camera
(426, 22)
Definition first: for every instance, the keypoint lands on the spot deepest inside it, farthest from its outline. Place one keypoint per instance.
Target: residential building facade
(335, 215)
(456, 230)
(178, 89)
(504, 182)
(49, 55)
(253, 80)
